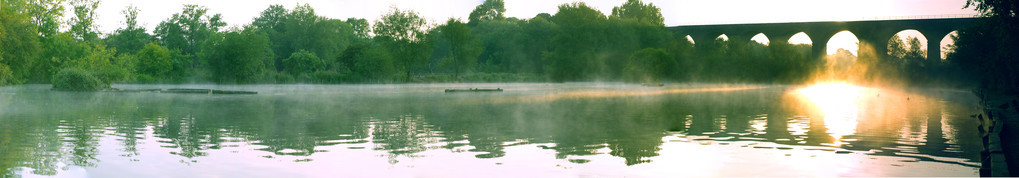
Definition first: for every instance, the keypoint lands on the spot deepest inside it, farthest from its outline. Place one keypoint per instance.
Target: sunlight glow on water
(839, 103)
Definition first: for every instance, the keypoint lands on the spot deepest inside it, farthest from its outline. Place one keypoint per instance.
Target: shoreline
(998, 128)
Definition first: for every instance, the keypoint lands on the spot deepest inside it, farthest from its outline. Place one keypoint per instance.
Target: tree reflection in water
(48, 131)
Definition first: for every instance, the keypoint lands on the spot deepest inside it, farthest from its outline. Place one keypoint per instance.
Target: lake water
(529, 130)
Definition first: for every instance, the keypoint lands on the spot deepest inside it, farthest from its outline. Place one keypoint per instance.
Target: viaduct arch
(874, 33)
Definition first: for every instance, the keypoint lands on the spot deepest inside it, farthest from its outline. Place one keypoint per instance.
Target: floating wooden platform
(474, 90)
(207, 91)
(188, 91)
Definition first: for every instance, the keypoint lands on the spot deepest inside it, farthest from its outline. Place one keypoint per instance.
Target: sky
(675, 12)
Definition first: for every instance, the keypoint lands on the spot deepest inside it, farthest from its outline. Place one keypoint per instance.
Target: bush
(73, 79)
(303, 62)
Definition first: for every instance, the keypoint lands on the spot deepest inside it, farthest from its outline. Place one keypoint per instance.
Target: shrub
(73, 79)
(303, 62)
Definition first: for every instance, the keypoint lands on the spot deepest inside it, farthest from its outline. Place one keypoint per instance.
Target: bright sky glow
(676, 12)
(800, 38)
(760, 38)
(844, 40)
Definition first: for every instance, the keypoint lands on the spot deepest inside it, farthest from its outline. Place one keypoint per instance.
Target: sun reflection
(839, 103)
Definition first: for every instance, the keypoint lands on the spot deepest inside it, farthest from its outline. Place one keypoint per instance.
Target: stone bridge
(874, 32)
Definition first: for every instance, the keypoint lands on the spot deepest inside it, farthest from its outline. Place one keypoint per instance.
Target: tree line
(577, 43)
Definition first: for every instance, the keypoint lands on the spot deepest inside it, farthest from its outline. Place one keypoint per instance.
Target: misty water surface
(547, 130)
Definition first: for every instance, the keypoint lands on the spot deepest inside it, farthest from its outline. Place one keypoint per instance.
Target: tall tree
(538, 33)
(188, 29)
(130, 38)
(238, 56)
(301, 29)
(19, 47)
(361, 27)
(986, 50)
(45, 14)
(464, 48)
(83, 23)
(487, 11)
(581, 32)
(403, 33)
(640, 12)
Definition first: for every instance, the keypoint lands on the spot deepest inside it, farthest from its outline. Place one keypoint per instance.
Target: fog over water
(529, 129)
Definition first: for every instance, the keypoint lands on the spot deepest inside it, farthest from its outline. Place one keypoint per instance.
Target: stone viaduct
(873, 32)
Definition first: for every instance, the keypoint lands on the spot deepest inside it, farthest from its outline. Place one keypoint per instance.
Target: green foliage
(154, 61)
(130, 38)
(189, 30)
(57, 51)
(649, 65)
(46, 14)
(403, 34)
(577, 43)
(238, 56)
(83, 23)
(74, 79)
(6, 76)
(373, 64)
(104, 64)
(464, 49)
(303, 62)
(488, 11)
(638, 11)
(362, 30)
(19, 47)
(501, 47)
(301, 29)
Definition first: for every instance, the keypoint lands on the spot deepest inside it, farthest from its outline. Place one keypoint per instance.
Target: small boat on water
(474, 90)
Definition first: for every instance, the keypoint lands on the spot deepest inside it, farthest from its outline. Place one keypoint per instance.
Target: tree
(271, 19)
(650, 65)
(638, 11)
(580, 34)
(362, 30)
(189, 29)
(154, 61)
(500, 46)
(19, 47)
(367, 62)
(374, 65)
(403, 33)
(896, 47)
(487, 11)
(537, 35)
(83, 23)
(130, 38)
(238, 56)
(45, 14)
(464, 48)
(986, 50)
(301, 29)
